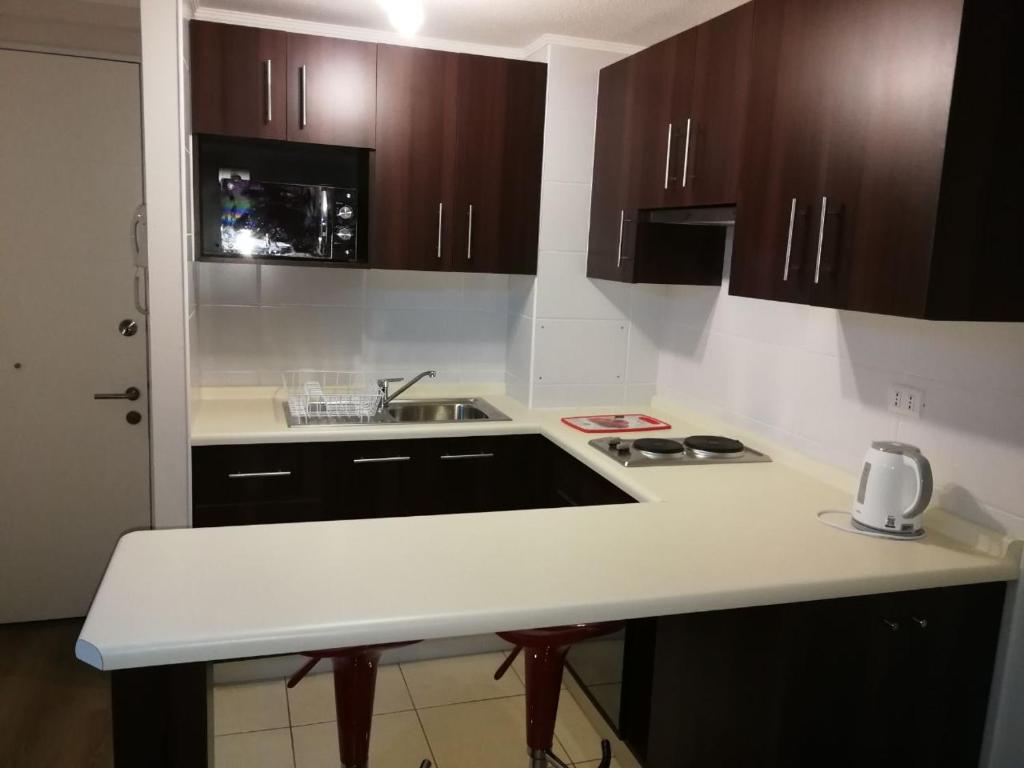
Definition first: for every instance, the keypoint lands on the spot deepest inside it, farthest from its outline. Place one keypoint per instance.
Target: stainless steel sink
(441, 411)
(444, 411)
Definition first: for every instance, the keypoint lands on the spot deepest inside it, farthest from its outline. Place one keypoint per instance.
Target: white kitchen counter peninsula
(702, 538)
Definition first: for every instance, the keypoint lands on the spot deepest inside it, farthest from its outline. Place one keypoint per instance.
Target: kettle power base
(843, 521)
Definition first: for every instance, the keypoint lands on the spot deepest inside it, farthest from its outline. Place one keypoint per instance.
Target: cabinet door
(887, 88)
(332, 91)
(660, 91)
(710, 167)
(500, 137)
(238, 80)
(612, 221)
(379, 478)
(414, 165)
(782, 153)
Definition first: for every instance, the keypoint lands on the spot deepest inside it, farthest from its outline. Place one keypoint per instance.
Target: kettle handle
(923, 472)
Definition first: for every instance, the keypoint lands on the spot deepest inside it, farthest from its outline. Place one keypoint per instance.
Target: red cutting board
(621, 422)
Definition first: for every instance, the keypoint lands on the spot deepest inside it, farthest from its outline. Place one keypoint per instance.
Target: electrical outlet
(906, 400)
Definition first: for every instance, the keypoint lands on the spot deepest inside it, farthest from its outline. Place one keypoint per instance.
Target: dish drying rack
(330, 397)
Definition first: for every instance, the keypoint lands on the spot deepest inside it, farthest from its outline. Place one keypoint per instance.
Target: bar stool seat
(546, 649)
(355, 681)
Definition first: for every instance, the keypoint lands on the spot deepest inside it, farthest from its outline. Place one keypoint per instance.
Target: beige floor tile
(396, 741)
(249, 707)
(312, 700)
(258, 749)
(574, 731)
(461, 679)
(483, 733)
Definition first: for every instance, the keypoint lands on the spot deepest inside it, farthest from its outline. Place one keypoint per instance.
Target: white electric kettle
(895, 487)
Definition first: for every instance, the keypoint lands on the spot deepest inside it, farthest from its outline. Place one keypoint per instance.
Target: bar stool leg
(543, 684)
(355, 681)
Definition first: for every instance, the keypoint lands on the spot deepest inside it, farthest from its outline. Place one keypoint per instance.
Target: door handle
(302, 97)
(789, 240)
(382, 460)
(821, 239)
(132, 393)
(668, 155)
(686, 152)
(455, 456)
(248, 475)
(469, 236)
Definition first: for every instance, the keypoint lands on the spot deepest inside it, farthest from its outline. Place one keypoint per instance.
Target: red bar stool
(355, 681)
(545, 659)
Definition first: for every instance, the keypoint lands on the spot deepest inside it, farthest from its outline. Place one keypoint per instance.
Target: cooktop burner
(661, 451)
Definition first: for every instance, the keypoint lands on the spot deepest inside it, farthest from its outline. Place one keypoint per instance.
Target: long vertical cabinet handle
(622, 221)
(268, 110)
(469, 236)
(686, 152)
(302, 97)
(440, 218)
(668, 154)
(821, 239)
(789, 240)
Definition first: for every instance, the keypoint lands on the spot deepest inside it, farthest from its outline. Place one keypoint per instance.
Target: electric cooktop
(670, 451)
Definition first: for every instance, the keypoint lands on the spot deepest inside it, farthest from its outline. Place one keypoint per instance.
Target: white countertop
(703, 538)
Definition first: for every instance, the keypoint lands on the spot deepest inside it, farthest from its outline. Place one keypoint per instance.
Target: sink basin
(445, 411)
(434, 411)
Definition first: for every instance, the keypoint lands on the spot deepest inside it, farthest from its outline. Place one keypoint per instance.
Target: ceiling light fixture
(406, 16)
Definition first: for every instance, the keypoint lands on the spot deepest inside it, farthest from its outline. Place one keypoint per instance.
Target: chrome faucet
(385, 384)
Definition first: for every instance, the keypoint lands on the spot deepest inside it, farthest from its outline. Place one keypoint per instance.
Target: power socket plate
(906, 401)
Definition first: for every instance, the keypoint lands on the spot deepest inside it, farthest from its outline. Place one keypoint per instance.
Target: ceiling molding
(626, 49)
(366, 34)
(351, 33)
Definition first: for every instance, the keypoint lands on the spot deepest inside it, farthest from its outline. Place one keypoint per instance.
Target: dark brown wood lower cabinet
(885, 680)
(306, 482)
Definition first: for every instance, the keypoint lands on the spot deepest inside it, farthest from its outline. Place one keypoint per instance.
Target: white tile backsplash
(818, 379)
(228, 284)
(301, 286)
(257, 321)
(564, 291)
(585, 352)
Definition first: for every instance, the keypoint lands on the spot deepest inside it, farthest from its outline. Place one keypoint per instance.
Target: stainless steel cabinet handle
(622, 221)
(268, 112)
(440, 218)
(469, 237)
(892, 625)
(249, 475)
(668, 154)
(381, 460)
(454, 456)
(821, 239)
(789, 240)
(132, 393)
(921, 623)
(686, 152)
(302, 96)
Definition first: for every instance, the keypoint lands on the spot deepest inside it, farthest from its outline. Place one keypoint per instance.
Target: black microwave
(276, 202)
(287, 221)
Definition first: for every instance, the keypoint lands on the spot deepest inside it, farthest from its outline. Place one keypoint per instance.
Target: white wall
(574, 341)
(163, 110)
(105, 28)
(818, 379)
(256, 322)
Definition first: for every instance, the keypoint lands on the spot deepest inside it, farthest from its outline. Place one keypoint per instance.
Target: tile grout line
(419, 720)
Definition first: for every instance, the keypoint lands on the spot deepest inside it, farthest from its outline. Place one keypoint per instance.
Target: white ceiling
(511, 23)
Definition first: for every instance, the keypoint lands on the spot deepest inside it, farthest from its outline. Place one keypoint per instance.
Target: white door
(74, 473)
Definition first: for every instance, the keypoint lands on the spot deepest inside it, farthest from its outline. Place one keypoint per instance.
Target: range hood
(722, 216)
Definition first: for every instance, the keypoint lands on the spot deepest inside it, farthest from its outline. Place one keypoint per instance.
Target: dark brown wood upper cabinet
(414, 168)
(263, 84)
(458, 162)
(499, 140)
(612, 220)
(894, 126)
(238, 80)
(332, 91)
